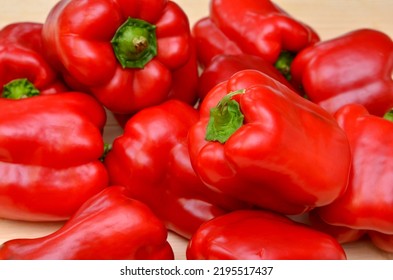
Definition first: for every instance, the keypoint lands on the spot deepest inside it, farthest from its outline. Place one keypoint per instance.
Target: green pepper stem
(388, 115)
(283, 64)
(224, 119)
(107, 149)
(135, 43)
(19, 88)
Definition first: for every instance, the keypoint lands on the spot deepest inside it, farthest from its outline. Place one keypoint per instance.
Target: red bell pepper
(382, 241)
(50, 147)
(210, 41)
(367, 202)
(260, 235)
(151, 159)
(256, 27)
(222, 67)
(128, 54)
(108, 226)
(22, 60)
(181, 84)
(261, 142)
(342, 234)
(356, 67)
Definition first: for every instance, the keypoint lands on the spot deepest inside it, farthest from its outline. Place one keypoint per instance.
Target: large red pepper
(108, 226)
(367, 203)
(50, 147)
(222, 67)
(256, 27)
(22, 60)
(261, 142)
(356, 67)
(129, 54)
(151, 159)
(260, 235)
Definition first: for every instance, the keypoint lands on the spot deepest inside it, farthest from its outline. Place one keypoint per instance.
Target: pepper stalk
(388, 115)
(225, 119)
(19, 88)
(283, 64)
(135, 43)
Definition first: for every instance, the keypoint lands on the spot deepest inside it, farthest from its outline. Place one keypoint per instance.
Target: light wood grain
(329, 18)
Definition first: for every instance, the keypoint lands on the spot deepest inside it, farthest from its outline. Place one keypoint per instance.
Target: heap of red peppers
(231, 127)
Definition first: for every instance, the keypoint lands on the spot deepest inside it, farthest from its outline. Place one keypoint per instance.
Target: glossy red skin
(382, 241)
(284, 156)
(222, 67)
(108, 226)
(253, 27)
(260, 235)
(81, 49)
(355, 67)
(49, 156)
(210, 41)
(341, 233)
(22, 57)
(151, 159)
(367, 203)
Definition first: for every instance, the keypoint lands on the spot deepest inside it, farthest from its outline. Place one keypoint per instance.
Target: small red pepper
(256, 27)
(108, 226)
(22, 60)
(50, 147)
(128, 54)
(356, 67)
(151, 159)
(222, 67)
(260, 235)
(261, 142)
(367, 202)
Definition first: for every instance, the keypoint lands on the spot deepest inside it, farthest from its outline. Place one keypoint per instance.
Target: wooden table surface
(329, 18)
